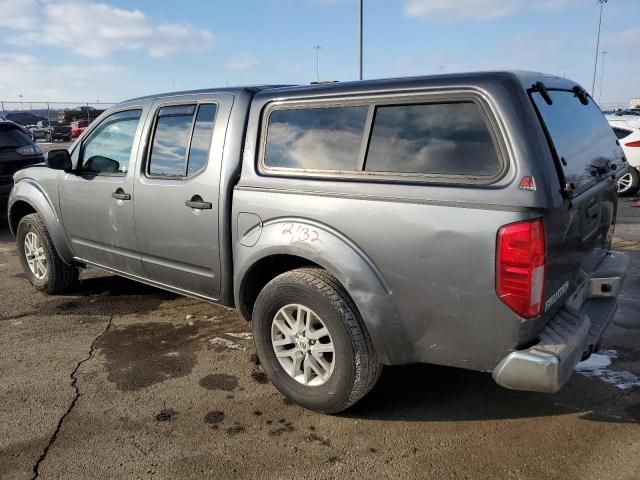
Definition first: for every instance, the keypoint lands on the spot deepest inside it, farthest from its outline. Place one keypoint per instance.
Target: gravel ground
(120, 380)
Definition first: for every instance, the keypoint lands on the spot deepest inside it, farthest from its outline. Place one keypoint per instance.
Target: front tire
(39, 258)
(628, 184)
(312, 343)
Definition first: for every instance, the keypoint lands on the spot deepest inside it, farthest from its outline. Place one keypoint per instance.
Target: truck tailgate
(588, 158)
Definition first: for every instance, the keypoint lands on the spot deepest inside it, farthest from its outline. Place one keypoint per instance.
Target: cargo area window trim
(146, 163)
(372, 101)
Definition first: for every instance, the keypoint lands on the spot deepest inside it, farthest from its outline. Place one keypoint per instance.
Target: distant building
(634, 103)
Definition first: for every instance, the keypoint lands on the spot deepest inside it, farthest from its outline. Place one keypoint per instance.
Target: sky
(85, 50)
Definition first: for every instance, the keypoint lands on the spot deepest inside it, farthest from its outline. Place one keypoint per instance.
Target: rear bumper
(574, 331)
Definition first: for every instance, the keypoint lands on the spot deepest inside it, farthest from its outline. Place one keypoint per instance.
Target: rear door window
(432, 139)
(201, 139)
(583, 140)
(181, 140)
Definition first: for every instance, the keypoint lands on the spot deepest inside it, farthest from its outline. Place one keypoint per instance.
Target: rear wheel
(312, 342)
(40, 261)
(629, 182)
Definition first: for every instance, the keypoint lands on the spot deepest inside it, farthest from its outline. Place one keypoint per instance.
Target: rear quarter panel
(435, 299)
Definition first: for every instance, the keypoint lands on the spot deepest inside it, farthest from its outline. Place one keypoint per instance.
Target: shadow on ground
(430, 393)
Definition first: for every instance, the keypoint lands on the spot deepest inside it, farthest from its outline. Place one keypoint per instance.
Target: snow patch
(241, 335)
(225, 342)
(595, 362)
(596, 367)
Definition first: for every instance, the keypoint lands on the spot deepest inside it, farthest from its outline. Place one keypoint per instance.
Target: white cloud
(19, 15)
(98, 29)
(26, 75)
(625, 38)
(478, 10)
(241, 62)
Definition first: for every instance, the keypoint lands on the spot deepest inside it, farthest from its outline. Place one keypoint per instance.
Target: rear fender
(30, 192)
(336, 253)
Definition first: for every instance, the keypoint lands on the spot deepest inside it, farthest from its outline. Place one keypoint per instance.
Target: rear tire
(629, 183)
(354, 365)
(40, 260)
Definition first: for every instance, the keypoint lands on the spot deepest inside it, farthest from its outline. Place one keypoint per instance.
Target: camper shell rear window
(580, 137)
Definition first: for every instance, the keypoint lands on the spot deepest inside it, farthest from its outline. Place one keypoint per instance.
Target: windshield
(583, 139)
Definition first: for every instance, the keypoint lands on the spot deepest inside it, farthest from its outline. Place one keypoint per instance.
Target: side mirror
(59, 160)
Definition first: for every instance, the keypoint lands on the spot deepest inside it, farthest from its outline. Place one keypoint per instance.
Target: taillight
(520, 266)
(28, 150)
(633, 144)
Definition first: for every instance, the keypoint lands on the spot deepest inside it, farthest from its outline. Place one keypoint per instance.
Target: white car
(627, 129)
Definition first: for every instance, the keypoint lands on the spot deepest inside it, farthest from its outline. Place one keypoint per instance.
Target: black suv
(17, 151)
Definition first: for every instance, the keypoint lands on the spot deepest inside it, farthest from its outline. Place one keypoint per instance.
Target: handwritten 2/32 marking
(300, 233)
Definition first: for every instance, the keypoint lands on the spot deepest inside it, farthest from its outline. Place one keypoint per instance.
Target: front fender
(31, 192)
(340, 256)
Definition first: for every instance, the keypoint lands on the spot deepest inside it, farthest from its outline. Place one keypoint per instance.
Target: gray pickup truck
(462, 220)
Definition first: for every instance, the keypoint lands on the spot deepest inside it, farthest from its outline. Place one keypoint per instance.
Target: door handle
(197, 203)
(120, 195)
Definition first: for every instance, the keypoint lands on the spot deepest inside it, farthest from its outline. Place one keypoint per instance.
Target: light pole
(595, 65)
(604, 55)
(317, 48)
(21, 104)
(361, 35)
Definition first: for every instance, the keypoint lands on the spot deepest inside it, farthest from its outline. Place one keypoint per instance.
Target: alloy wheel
(625, 183)
(34, 253)
(303, 345)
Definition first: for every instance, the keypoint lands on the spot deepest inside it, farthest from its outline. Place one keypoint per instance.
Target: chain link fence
(47, 119)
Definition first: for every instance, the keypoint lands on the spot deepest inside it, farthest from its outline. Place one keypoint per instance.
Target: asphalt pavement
(120, 380)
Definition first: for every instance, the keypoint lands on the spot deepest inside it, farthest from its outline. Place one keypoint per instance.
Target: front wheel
(628, 184)
(39, 258)
(312, 342)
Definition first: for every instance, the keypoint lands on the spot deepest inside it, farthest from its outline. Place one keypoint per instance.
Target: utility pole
(317, 48)
(361, 32)
(595, 65)
(49, 121)
(604, 55)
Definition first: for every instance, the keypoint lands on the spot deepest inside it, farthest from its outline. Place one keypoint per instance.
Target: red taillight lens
(520, 267)
(633, 144)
